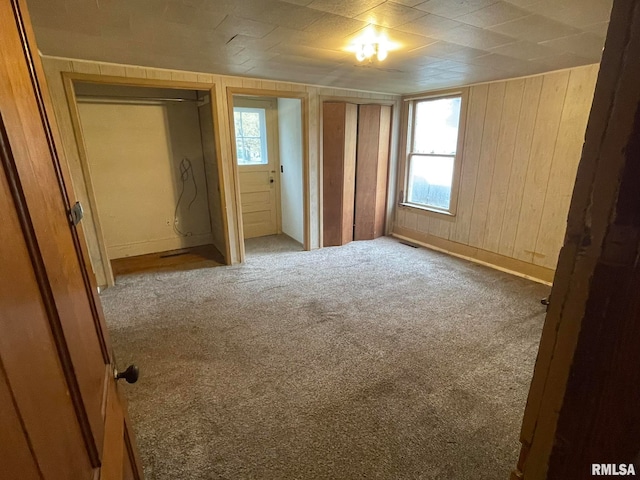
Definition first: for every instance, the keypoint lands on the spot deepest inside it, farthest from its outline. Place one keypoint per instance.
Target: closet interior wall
(150, 158)
(212, 173)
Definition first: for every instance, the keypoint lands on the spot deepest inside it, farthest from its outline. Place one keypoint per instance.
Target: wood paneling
(339, 129)
(470, 160)
(311, 131)
(562, 174)
(86, 67)
(520, 164)
(121, 71)
(487, 162)
(521, 149)
(372, 166)
(545, 135)
(502, 169)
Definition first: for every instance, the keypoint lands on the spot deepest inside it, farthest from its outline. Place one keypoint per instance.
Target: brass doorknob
(131, 374)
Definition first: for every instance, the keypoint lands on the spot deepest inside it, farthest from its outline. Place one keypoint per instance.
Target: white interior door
(258, 164)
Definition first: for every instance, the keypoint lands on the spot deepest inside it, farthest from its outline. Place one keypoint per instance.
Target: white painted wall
(134, 153)
(291, 160)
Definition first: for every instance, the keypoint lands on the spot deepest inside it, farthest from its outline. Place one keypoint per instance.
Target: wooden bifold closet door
(340, 127)
(372, 163)
(355, 170)
(62, 415)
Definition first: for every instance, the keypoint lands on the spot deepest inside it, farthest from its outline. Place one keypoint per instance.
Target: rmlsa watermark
(602, 469)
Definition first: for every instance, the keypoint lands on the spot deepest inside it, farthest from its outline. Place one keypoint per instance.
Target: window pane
(436, 126)
(430, 180)
(251, 124)
(237, 117)
(242, 158)
(251, 133)
(253, 151)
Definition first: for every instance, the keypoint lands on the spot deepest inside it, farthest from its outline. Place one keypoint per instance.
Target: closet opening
(150, 164)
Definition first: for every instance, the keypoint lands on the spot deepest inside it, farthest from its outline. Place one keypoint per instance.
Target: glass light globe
(368, 50)
(382, 52)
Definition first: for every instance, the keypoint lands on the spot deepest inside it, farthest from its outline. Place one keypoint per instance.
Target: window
(432, 150)
(251, 135)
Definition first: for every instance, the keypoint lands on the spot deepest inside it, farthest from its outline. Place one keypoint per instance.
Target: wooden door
(61, 413)
(258, 163)
(372, 164)
(339, 133)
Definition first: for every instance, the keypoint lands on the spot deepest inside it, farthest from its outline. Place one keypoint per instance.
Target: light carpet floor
(373, 360)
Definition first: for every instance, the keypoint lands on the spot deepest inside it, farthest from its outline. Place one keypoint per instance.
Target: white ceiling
(444, 43)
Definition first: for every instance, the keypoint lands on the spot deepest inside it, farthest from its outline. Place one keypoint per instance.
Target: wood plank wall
(55, 66)
(522, 146)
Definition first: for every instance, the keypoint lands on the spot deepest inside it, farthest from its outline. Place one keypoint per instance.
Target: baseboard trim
(496, 261)
(160, 245)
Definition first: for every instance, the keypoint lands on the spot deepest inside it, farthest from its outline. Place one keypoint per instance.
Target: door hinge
(76, 213)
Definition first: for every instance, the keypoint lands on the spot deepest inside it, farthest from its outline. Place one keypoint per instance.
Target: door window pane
(251, 135)
(430, 180)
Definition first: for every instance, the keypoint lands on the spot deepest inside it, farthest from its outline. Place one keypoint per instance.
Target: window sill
(425, 209)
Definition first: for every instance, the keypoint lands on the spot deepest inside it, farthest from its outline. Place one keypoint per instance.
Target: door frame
(304, 100)
(273, 147)
(69, 78)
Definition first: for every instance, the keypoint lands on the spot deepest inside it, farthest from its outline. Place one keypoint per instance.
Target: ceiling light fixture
(370, 45)
(366, 51)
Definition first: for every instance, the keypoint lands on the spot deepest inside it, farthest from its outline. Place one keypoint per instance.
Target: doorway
(150, 155)
(269, 159)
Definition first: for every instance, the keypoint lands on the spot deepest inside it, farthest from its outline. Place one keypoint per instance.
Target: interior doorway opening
(150, 159)
(269, 158)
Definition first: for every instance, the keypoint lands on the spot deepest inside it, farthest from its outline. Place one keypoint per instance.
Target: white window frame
(262, 113)
(410, 112)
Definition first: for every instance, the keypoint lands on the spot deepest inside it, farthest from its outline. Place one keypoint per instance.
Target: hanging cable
(186, 174)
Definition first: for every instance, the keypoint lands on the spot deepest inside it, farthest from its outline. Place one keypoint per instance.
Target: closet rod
(121, 99)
